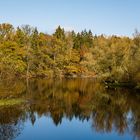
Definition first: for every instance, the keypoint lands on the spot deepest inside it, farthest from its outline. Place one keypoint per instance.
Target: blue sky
(120, 17)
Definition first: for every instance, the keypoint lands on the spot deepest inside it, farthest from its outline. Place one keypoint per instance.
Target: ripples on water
(68, 109)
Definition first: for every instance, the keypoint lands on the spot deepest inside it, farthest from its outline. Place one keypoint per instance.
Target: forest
(25, 53)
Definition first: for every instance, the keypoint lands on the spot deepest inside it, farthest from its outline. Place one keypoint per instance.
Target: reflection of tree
(110, 112)
(12, 88)
(83, 99)
(135, 120)
(11, 122)
(10, 131)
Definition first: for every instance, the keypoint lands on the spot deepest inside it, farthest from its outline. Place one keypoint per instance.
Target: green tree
(59, 33)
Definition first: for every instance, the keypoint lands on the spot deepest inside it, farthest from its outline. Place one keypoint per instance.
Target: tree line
(26, 52)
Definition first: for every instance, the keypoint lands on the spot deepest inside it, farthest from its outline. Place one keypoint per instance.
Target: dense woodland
(26, 52)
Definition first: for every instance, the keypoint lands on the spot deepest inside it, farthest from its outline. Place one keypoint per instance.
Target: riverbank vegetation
(26, 52)
(10, 102)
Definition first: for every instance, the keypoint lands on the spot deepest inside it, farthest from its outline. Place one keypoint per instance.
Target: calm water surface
(74, 109)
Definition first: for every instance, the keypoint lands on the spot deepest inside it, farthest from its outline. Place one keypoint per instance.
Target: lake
(72, 109)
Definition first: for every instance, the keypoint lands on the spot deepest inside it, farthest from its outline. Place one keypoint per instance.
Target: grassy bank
(11, 102)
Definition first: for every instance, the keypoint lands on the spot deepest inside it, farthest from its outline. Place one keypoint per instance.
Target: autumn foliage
(26, 52)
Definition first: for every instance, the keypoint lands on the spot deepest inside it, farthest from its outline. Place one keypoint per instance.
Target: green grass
(11, 102)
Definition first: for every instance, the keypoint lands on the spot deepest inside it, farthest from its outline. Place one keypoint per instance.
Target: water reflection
(83, 99)
(11, 122)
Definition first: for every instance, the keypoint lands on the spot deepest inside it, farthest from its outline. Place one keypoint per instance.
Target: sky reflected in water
(44, 129)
